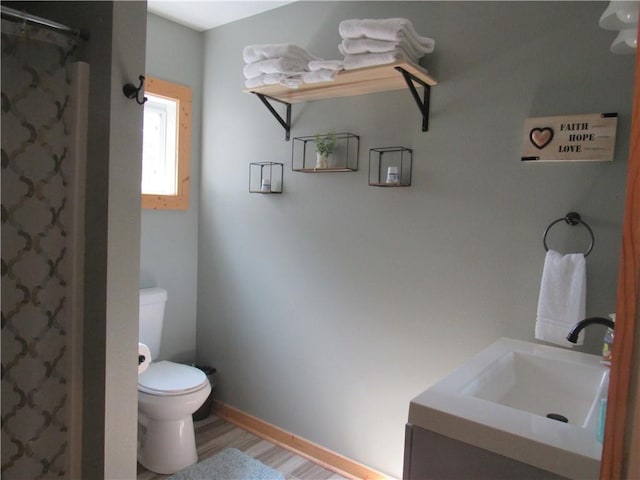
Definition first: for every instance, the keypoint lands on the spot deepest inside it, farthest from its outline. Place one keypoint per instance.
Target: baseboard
(330, 460)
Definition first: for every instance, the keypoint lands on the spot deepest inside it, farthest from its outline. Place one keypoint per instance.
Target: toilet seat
(169, 378)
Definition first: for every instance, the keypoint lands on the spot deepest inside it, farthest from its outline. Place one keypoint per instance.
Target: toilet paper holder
(144, 357)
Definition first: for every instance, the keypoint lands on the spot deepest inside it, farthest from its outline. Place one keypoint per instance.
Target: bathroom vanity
(429, 455)
(515, 410)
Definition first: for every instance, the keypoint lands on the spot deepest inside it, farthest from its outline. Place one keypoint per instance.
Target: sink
(500, 401)
(540, 385)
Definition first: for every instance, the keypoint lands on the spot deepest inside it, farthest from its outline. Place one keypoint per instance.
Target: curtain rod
(18, 16)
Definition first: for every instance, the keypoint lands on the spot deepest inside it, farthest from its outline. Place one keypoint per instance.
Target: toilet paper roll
(144, 357)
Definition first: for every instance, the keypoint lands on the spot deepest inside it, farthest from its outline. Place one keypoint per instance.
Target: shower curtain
(43, 145)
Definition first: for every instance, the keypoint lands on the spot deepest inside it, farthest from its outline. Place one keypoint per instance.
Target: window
(166, 145)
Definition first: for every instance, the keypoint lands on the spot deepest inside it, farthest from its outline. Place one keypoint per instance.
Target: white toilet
(168, 394)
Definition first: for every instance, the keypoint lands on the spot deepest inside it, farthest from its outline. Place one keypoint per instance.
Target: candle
(393, 177)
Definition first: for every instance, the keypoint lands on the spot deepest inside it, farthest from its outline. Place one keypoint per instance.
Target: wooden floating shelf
(348, 83)
(323, 170)
(362, 81)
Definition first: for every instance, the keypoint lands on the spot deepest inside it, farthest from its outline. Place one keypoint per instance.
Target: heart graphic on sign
(541, 137)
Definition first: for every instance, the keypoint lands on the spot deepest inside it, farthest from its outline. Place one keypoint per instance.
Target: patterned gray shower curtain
(36, 250)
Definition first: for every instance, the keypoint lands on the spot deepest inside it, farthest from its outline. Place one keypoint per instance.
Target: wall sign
(577, 138)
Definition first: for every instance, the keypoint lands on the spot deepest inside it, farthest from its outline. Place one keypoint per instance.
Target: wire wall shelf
(344, 157)
(390, 167)
(266, 177)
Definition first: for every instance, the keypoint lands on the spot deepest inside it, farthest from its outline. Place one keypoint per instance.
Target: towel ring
(572, 218)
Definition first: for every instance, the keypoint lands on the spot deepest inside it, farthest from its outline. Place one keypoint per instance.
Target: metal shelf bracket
(423, 104)
(286, 123)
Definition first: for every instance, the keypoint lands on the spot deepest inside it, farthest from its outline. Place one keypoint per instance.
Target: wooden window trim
(182, 94)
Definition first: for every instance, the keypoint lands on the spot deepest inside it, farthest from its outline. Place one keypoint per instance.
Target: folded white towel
(390, 29)
(351, 62)
(399, 53)
(264, 79)
(354, 46)
(291, 81)
(326, 65)
(322, 75)
(256, 53)
(561, 303)
(417, 43)
(284, 65)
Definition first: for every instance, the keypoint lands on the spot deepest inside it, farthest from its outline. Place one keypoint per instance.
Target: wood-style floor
(214, 435)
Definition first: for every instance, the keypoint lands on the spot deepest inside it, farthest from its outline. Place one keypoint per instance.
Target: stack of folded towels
(271, 64)
(371, 42)
(285, 64)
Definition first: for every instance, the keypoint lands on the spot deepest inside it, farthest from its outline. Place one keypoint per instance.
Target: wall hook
(131, 91)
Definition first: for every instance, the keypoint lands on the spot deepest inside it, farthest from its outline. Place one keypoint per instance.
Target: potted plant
(324, 146)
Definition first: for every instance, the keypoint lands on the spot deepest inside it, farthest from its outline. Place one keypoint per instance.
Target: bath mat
(230, 464)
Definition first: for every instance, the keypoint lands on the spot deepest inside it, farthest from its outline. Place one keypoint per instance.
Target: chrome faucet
(577, 328)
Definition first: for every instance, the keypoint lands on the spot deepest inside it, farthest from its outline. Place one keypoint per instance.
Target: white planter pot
(322, 161)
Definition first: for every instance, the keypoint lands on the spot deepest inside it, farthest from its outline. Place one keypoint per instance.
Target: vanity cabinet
(429, 455)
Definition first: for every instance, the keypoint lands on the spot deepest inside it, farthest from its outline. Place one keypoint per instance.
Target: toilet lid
(169, 378)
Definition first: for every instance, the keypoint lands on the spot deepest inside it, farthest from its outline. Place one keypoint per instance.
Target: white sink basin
(540, 385)
(499, 400)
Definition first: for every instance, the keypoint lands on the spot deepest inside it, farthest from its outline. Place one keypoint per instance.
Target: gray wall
(326, 309)
(115, 53)
(125, 152)
(169, 237)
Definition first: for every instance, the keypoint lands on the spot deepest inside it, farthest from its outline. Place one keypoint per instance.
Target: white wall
(326, 309)
(169, 257)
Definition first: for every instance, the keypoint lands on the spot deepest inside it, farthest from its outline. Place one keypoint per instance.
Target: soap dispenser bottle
(608, 342)
(602, 411)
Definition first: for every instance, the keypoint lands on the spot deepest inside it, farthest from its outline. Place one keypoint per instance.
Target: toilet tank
(152, 302)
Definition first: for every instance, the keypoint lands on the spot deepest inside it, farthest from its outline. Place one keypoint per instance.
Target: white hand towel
(256, 53)
(354, 46)
(326, 65)
(264, 79)
(351, 62)
(275, 65)
(390, 29)
(401, 50)
(291, 81)
(561, 303)
(323, 75)
(418, 43)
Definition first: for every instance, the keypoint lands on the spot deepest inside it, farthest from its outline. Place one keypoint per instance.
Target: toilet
(168, 394)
